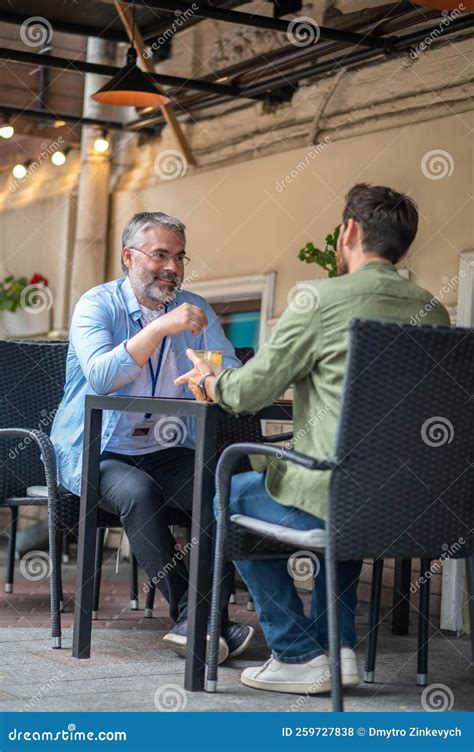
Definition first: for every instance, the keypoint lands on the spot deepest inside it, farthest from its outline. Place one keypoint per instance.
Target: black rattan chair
(32, 376)
(402, 480)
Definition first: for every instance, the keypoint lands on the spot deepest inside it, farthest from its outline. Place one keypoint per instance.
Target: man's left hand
(192, 378)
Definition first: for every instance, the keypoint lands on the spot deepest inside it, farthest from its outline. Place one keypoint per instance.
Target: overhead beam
(204, 10)
(78, 29)
(81, 66)
(49, 116)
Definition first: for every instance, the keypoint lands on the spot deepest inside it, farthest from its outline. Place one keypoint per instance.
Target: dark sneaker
(237, 637)
(177, 638)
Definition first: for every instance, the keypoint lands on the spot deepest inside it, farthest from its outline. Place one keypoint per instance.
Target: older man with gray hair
(129, 337)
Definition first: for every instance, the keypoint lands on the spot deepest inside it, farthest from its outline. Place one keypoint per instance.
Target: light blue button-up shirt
(98, 363)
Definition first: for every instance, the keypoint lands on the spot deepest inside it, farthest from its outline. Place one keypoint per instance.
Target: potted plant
(25, 306)
(326, 258)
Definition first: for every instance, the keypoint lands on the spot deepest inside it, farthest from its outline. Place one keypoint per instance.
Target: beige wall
(238, 223)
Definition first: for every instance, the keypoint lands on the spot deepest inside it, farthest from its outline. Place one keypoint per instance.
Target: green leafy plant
(326, 259)
(11, 289)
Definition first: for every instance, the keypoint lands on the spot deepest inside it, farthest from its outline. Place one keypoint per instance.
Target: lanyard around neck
(155, 374)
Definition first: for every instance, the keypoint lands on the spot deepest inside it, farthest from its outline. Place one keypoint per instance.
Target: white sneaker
(350, 677)
(311, 678)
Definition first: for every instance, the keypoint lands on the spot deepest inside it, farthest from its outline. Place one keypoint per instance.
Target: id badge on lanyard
(143, 429)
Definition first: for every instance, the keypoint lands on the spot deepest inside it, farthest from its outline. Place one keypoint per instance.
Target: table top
(281, 410)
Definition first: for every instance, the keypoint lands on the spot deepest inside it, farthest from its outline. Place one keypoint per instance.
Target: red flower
(37, 279)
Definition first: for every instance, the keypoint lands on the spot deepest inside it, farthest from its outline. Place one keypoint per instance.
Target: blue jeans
(292, 636)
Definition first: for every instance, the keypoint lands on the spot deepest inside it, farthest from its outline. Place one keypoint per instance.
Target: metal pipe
(31, 58)
(263, 22)
(74, 119)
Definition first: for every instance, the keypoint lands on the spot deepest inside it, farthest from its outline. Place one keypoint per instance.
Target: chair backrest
(32, 376)
(404, 483)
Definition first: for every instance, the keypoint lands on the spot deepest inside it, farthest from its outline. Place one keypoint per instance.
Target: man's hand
(182, 318)
(192, 378)
(143, 344)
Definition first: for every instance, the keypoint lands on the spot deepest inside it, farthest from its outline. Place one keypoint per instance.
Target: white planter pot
(25, 323)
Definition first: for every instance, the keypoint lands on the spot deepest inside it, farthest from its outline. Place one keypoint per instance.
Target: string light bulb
(58, 158)
(19, 171)
(6, 130)
(102, 143)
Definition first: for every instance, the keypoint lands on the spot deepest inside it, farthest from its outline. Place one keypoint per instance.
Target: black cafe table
(207, 417)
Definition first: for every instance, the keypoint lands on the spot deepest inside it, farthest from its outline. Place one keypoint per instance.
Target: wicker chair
(32, 376)
(402, 478)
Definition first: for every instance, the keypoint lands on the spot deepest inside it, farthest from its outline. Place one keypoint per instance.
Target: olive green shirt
(307, 349)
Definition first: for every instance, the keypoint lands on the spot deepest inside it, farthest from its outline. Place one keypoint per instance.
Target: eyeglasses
(163, 256)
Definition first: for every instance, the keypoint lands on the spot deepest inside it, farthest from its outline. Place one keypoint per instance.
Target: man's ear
(127, 257)
(353, 233)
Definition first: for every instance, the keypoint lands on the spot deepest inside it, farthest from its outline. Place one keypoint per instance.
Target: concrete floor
(131, 670)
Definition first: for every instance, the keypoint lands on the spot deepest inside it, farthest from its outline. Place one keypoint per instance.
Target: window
(240, 321)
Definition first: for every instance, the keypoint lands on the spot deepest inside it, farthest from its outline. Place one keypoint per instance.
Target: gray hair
(136, 227)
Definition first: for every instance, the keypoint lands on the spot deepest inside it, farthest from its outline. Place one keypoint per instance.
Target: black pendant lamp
(131, 87)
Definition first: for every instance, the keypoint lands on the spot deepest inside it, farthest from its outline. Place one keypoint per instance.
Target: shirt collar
(130, 299)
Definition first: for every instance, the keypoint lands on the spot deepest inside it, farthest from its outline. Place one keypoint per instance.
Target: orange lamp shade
(131, 87)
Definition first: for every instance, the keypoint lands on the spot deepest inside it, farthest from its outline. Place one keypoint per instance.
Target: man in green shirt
(307, 349)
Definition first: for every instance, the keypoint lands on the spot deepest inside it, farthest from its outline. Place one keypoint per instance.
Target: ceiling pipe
(49, 116)
(264, 22)
(31, 58)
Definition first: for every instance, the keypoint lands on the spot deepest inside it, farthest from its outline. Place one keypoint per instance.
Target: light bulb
(58, 158)
(7, 131)
(101, 144)
(19, 171)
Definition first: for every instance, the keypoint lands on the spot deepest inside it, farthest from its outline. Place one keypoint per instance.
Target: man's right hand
(184, 317)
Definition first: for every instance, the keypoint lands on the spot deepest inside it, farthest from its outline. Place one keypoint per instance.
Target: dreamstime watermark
(448, 286)
(36, 299)
(170, 164)
(34, 701)
(437, 164)
(46, 151)
(36, 31)
(437, 698)
(312, 153)
(169, 566)
(170, 431)
(448, 16)
(35, 566)
(303, 298)
(435, 566)
(303, 564)
(437, 431)
(180, 18)
(170, 698)
(303, 31)
(45, 420)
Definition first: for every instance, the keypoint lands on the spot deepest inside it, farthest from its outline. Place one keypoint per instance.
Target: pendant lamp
(131, 87)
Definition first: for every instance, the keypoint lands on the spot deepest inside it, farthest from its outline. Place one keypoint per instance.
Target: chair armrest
(273, 438)
(232, 454)
(46, 448)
